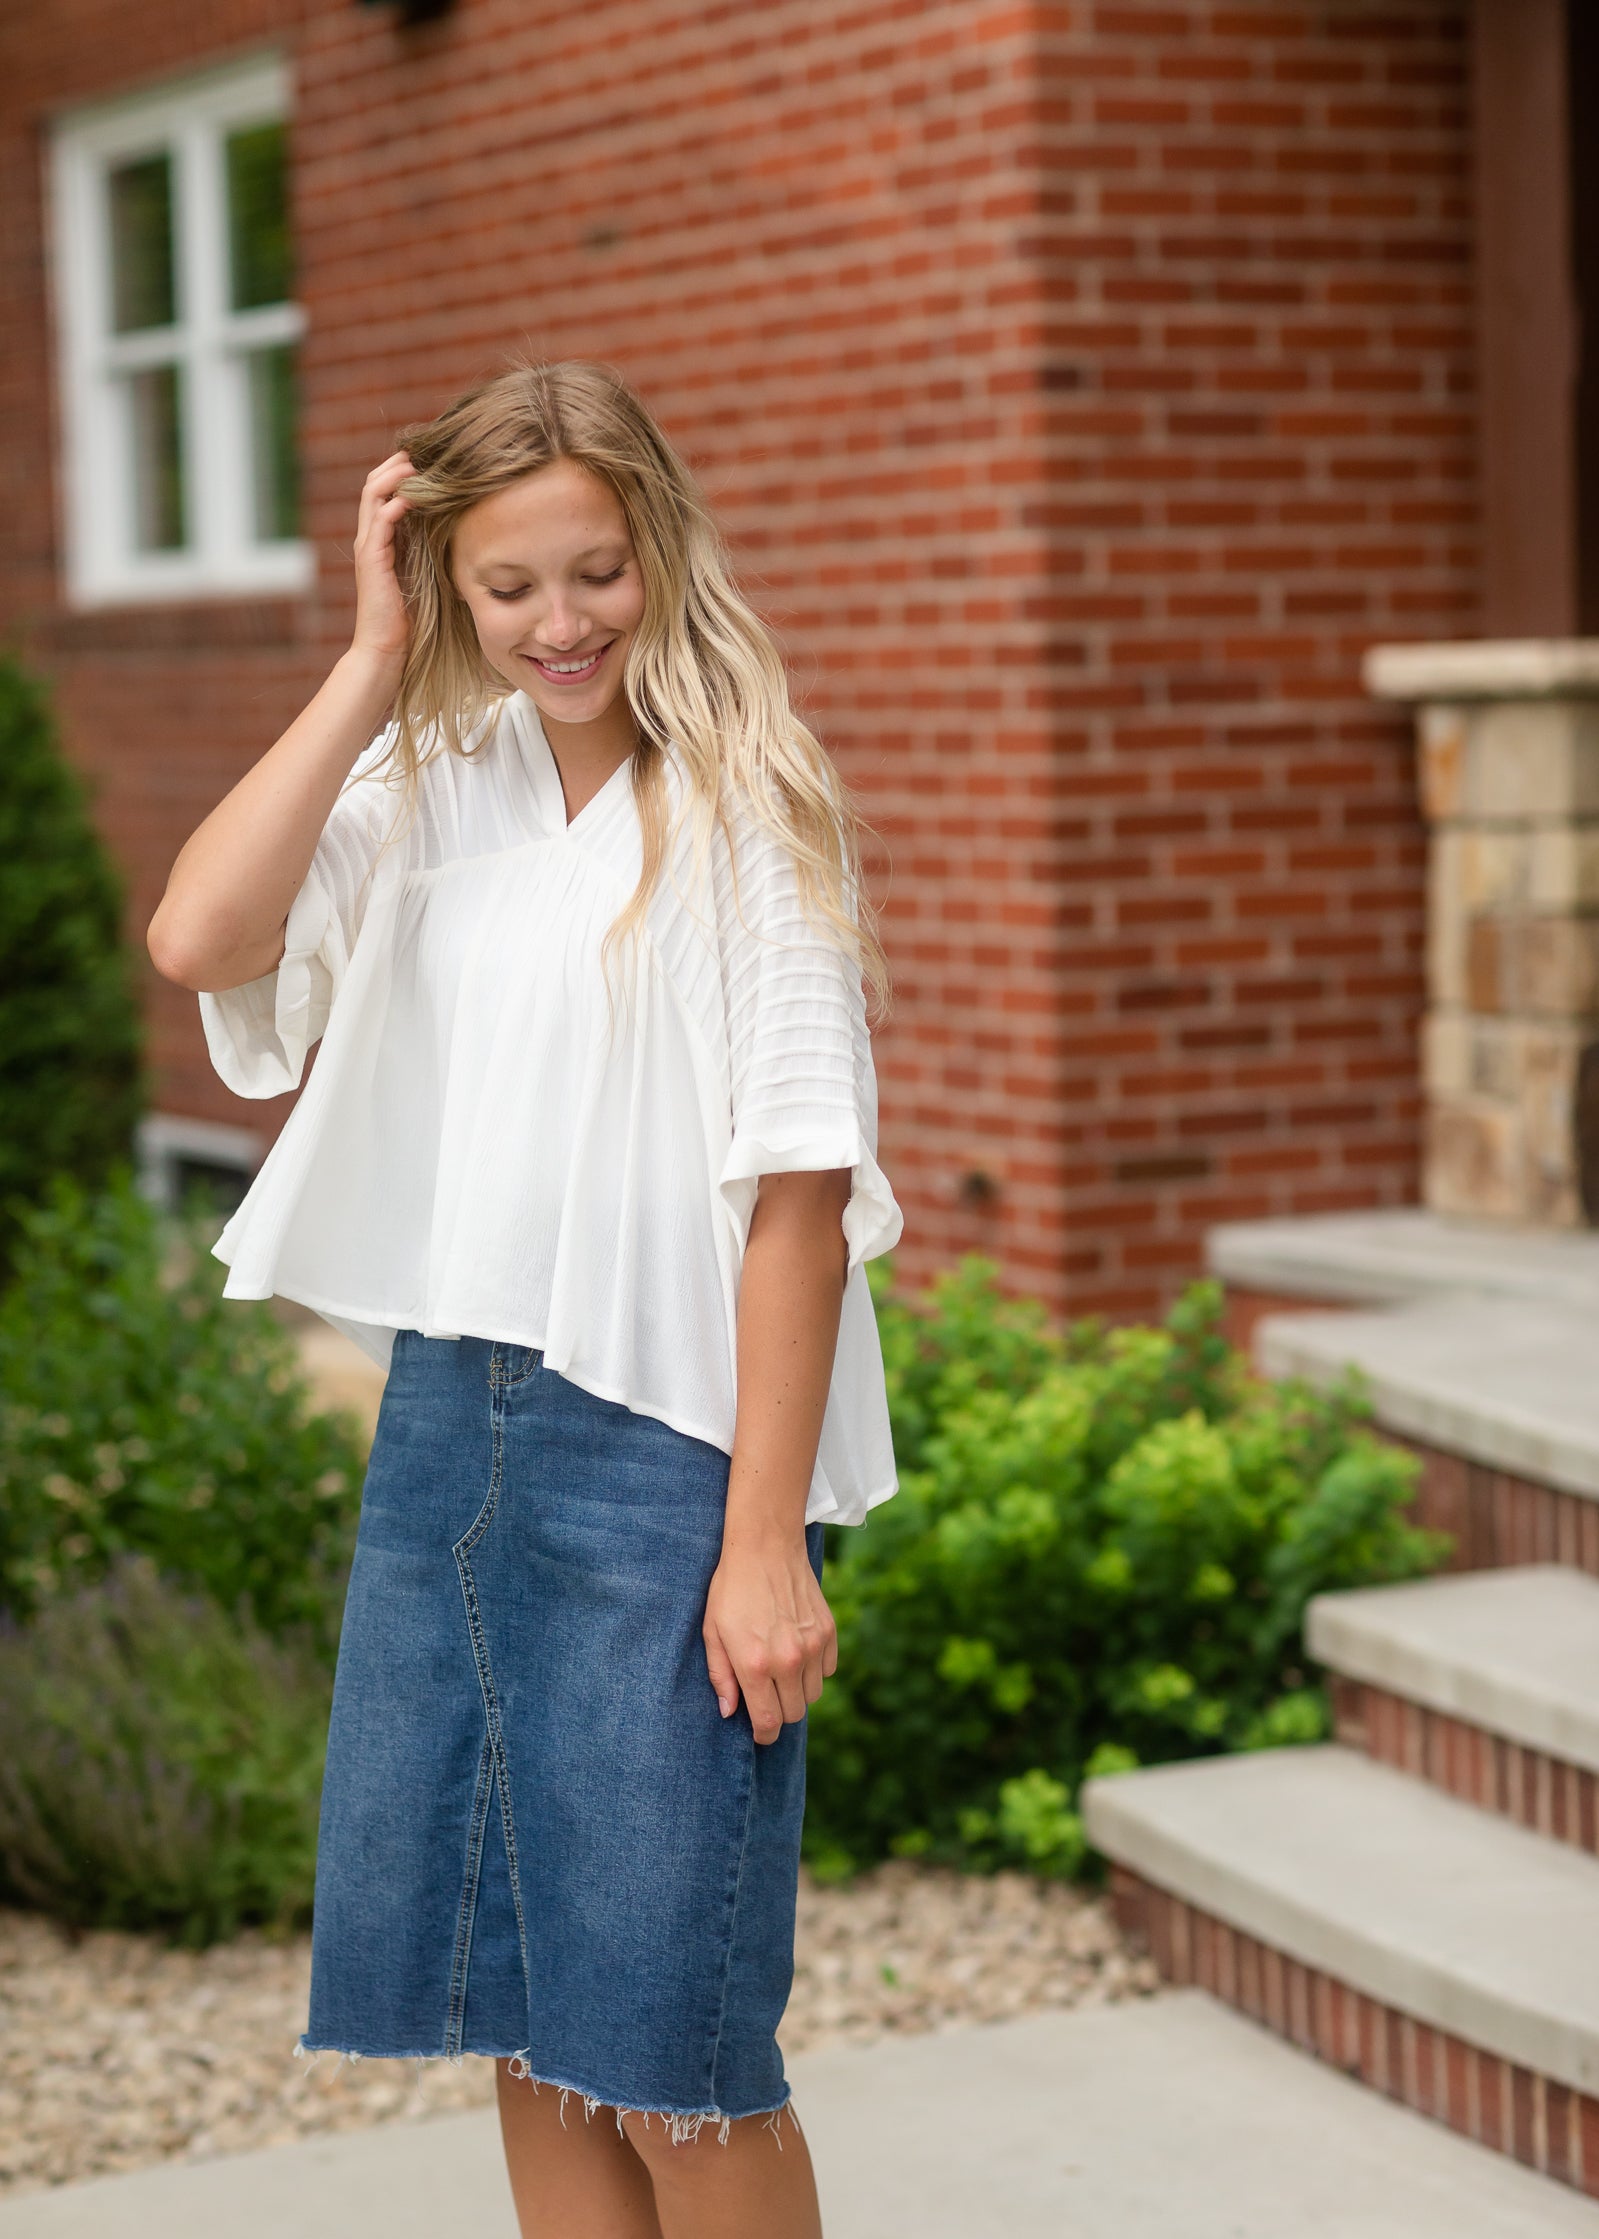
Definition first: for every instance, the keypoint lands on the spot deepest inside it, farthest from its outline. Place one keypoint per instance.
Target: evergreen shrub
(1100, 1556)
(140, 1413)
(162, 1761)
(70, 1091)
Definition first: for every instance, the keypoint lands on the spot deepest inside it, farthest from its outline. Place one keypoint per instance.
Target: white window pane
(274, 466)
(154, 401)
(258, 217)
(143, 272)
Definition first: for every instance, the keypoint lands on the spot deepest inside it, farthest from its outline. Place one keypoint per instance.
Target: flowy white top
(508, 1135)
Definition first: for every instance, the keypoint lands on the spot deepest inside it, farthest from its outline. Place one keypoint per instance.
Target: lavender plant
(162, 1761)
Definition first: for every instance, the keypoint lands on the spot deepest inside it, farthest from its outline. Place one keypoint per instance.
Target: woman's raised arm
(220, 922)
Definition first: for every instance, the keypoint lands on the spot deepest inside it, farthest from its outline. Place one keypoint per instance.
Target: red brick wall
(1259, 395)
(1082, 388)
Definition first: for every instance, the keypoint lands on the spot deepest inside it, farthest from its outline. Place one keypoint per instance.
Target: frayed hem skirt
(540, 1839)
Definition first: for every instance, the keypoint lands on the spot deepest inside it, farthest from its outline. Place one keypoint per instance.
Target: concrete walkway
(1168, 2119)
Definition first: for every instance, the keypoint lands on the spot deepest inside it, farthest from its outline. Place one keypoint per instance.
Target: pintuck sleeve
(804, 1092)
(259, 1034)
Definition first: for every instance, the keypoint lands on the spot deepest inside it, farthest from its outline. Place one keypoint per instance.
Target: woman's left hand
(768, 1633)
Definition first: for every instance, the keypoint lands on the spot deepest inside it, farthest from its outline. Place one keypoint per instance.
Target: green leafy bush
(1100, 1556)
(162, 1762)
(139, 1413)
(69, 1027)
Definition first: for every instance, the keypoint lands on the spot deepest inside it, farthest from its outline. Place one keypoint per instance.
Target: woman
(587, 1156)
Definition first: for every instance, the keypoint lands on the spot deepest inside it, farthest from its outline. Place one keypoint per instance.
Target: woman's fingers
(792, 1695)
(769, 1638)
(759, 1684)
(777, 1691)
(390, 472)
(765, 1709)
(380, 491)
(724, 1680)
(382, 622)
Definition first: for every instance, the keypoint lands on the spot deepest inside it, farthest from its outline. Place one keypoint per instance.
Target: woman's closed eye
(522, 589)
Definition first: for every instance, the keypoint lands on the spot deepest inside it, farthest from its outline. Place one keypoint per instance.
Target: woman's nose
(561, 626)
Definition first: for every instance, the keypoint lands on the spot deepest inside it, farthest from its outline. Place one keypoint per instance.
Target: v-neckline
(550, 793)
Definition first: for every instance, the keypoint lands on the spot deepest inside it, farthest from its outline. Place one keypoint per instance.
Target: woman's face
(549, 572)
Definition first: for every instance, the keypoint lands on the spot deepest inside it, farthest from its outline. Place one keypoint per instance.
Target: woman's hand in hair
(382, 622)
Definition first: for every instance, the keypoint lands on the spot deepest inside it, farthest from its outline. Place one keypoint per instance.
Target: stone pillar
(1508, 737)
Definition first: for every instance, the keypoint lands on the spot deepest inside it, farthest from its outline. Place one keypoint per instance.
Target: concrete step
(1170, 2116)
(1514, 1653)
(1405, 1252)
(1486, 1685)
(1476, 1340)
(1511, 1384)
(1473, 1927)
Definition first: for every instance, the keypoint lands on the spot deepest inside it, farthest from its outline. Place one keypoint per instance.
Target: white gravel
(116, 2051)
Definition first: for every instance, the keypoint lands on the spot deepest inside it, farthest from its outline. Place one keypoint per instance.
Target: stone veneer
(1508, 735)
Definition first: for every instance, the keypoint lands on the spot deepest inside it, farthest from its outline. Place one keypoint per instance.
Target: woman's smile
(569, 668)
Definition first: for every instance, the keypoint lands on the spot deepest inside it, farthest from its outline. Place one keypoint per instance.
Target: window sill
(171, 626)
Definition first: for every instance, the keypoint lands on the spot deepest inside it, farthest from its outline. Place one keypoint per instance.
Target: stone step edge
(1392, 1253)
(1320, 1347)
(1547, 1795)
(1506, 1654)
(1501, 2105)
(1144, 1821)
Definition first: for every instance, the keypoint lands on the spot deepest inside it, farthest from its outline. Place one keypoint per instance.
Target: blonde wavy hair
(704, 678)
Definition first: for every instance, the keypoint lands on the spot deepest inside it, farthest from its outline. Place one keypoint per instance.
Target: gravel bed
(116, 2051)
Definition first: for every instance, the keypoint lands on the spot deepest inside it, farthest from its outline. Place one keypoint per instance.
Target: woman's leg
(572, 2179)
(760, 2181)
(582, 2179)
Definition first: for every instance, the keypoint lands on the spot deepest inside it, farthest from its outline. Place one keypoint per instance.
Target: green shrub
(1100, 1556)
(162, 1762)
(69, 1027)
(140, 1413)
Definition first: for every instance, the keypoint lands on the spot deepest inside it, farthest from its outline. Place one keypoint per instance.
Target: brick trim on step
(1494, 1517)
(1547, 1794)
(1546, 2125)
(1497, 1519)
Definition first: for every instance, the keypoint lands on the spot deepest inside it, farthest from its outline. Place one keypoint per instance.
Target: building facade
(1083, 389)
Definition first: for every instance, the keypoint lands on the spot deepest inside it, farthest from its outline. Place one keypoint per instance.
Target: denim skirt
(540, 1838)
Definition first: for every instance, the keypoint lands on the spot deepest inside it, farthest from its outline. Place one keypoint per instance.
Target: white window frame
(164, 1140)
(188, 120)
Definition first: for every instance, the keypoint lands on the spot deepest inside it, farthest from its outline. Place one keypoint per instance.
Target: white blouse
(503, 1138)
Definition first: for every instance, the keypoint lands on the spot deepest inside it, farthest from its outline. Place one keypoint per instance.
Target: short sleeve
(804, 1093)
(259, 1034)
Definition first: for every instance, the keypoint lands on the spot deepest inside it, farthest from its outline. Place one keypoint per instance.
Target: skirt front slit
(540, 1839)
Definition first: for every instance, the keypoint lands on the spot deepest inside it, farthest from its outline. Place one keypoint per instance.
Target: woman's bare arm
(768, 1630)
(221, 919)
